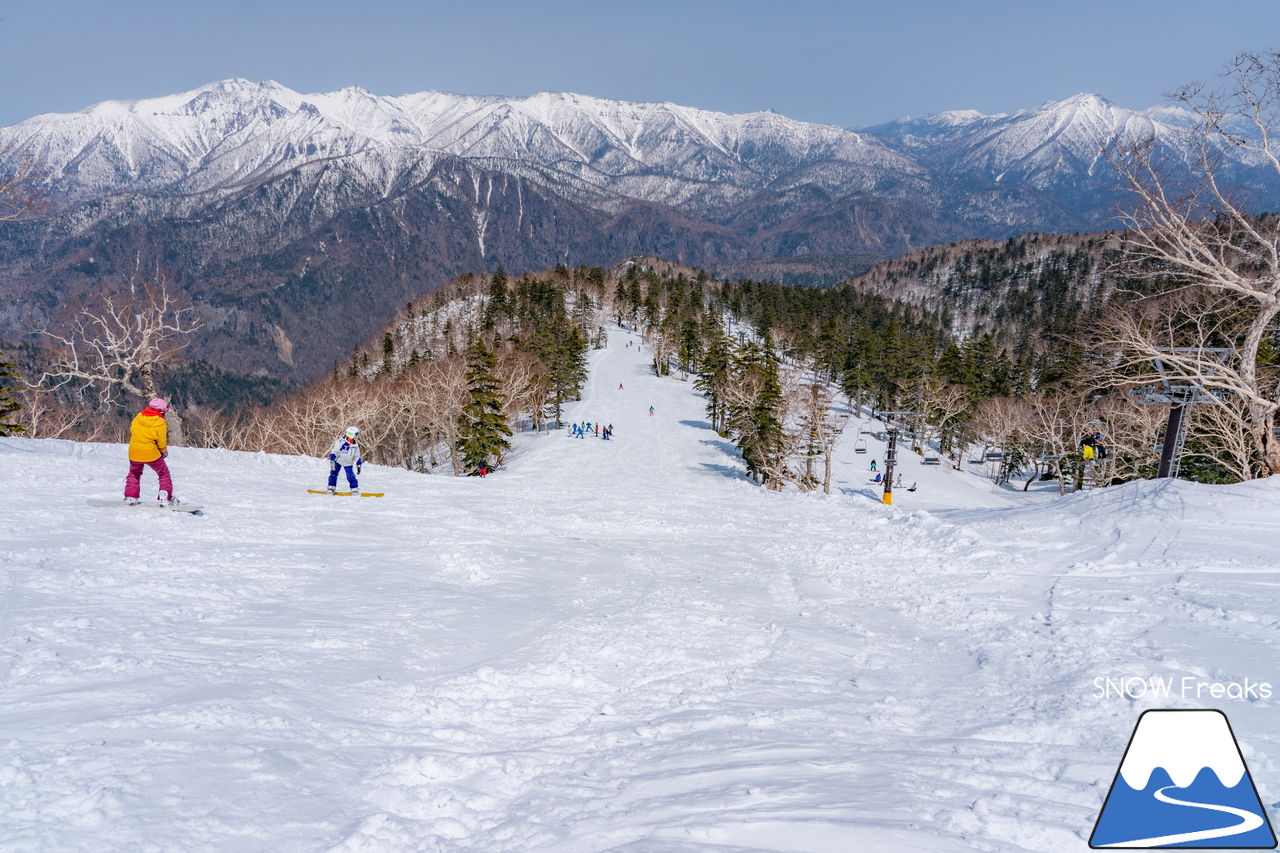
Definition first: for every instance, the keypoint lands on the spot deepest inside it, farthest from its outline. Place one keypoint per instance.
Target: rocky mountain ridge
(300, 223)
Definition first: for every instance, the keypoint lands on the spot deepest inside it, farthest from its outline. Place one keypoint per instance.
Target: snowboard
(146, 505)
(347, 494)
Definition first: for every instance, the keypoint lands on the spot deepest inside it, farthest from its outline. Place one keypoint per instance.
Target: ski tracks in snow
(609, 646)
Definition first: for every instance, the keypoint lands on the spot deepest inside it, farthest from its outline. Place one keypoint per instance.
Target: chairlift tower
(891, 454)
(1179, 397)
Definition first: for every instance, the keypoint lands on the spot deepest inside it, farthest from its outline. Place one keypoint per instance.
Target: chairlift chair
(860, 446)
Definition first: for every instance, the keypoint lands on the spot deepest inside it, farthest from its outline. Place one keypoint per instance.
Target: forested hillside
(777, 364)
(1020, 289)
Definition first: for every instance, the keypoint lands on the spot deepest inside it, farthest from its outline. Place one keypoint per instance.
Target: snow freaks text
(1186, 687)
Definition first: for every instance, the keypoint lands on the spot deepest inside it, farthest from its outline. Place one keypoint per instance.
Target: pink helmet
(159, 405)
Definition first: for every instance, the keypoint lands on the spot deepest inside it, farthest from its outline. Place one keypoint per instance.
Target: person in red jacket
(148, 446)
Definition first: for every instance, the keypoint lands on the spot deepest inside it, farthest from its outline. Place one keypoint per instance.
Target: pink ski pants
(132, 486)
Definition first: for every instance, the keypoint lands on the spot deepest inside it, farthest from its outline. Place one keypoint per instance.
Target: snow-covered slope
(609, 646)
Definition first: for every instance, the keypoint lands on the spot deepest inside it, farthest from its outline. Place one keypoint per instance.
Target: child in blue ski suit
(345, 453)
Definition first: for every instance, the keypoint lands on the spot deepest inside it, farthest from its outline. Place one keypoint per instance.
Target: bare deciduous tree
(820, 428)
(116, 340)
(1005, 423)
(1214, 434)
(1201, 233)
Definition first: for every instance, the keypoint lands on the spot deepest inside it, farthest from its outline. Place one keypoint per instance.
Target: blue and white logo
(1183, 783)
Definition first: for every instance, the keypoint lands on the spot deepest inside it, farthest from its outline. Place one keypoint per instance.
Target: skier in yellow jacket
(148, 446)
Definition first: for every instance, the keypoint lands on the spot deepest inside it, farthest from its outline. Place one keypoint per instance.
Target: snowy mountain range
(1056, 148)
(279, 210)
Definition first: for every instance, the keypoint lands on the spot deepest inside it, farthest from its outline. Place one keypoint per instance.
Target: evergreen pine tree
(952, 365)
(768, 437)
(8, 405)
(484, 424)
(388, 348)
(559, 345)
(755, 423)
(497, 305)
(690, 345)
(713, 373)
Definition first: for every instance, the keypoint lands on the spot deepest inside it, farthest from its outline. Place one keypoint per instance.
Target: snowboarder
(879, 479)
(651, 411)
(619, 386)
(149, 446)
(345, 453)
(873, 464)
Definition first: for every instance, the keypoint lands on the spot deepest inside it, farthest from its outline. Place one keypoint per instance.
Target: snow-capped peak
(234, 130)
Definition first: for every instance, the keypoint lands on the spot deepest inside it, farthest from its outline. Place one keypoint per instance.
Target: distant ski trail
(1249, 821)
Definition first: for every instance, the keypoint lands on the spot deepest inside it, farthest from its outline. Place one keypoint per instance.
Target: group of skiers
(585, 428)
(149, 448)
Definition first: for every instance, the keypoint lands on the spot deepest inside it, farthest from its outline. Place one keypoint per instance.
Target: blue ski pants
(351, 476)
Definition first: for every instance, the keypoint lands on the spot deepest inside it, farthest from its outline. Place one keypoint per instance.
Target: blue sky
(846, 63)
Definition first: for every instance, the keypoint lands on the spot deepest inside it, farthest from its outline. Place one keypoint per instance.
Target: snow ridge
(234, 131)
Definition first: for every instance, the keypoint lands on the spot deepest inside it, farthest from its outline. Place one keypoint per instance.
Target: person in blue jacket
(345, 453)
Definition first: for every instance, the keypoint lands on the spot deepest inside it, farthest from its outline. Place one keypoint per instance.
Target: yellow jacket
(148, 436)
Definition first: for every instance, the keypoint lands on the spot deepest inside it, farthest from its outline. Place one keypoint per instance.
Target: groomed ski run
(607, 646)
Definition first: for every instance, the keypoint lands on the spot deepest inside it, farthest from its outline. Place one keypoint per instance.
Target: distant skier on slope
(149, 446)
(651, 411)
(345, 453)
